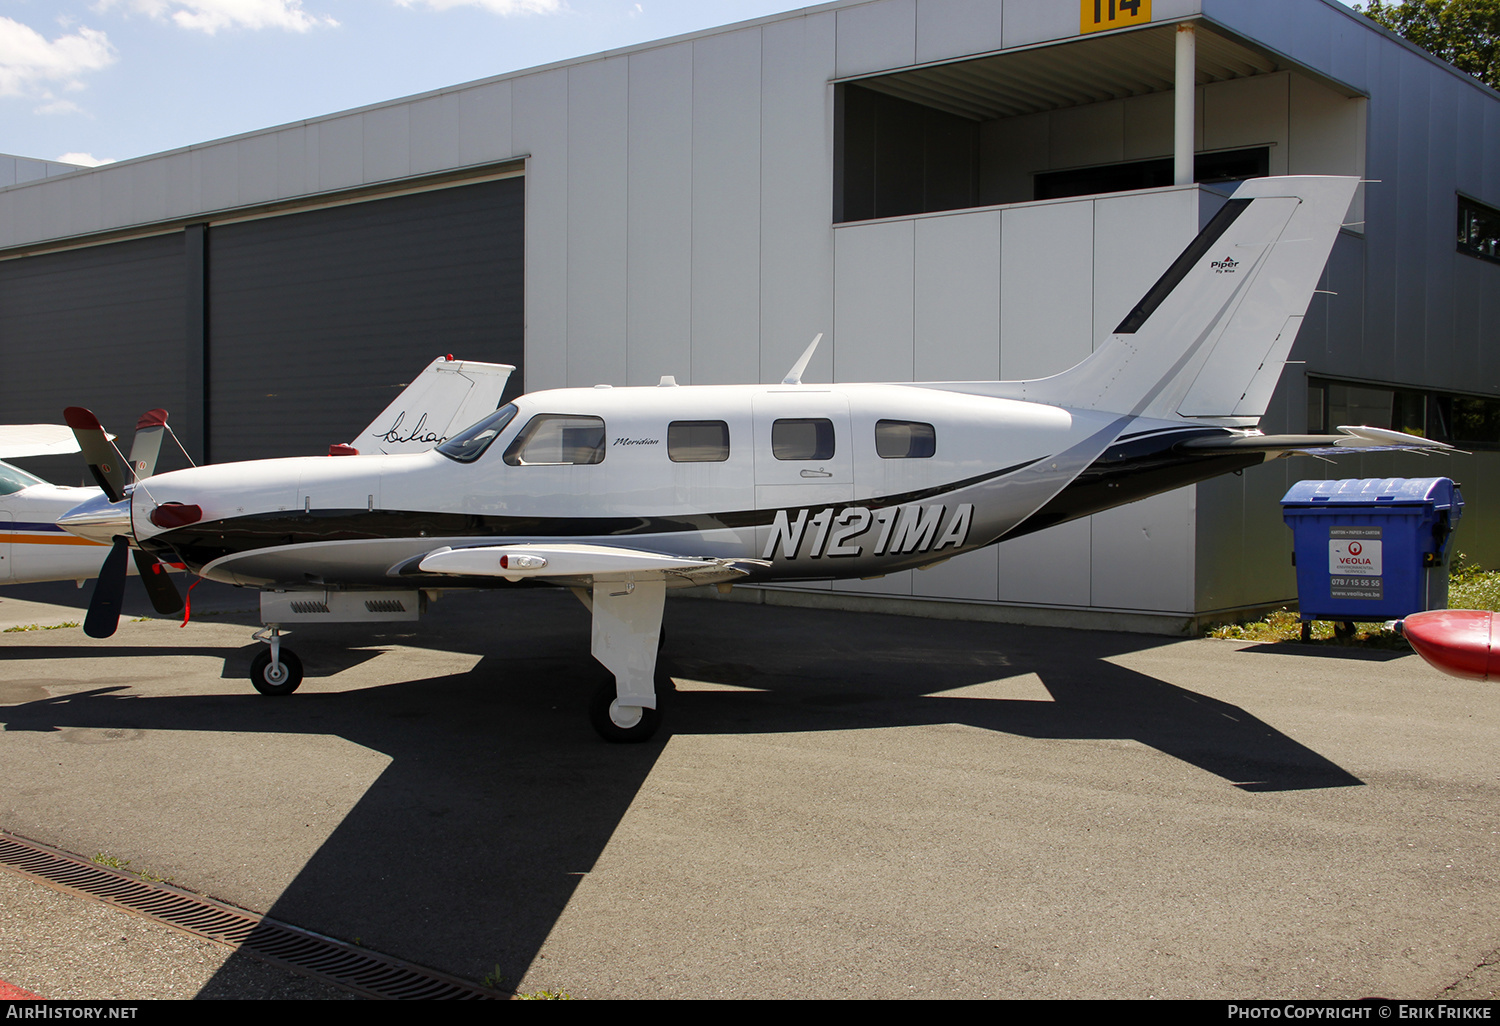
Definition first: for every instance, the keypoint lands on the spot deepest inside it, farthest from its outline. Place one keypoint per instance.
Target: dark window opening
(698, 441)
(809, 439)
(893, 157)
(904, 440)
(1478, 229)
(1467, 421)
(1225, 166)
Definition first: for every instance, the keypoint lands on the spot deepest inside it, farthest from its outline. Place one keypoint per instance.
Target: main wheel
(280, 679)
(606, 714)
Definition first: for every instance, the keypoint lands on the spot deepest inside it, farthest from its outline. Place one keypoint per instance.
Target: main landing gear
(627, 632)
(277, 670)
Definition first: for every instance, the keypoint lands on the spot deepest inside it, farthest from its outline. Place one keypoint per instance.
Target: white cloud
(211, 15)
(86, 159)
(496, 6)
(29, 61)
(56, 105)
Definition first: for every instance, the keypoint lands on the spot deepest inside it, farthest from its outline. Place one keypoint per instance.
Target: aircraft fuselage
(819, 481)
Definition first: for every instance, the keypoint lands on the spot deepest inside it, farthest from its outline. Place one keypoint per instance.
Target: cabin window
(698, 441)
(802, 439)
(557, 439)
(904, 440)
(13, 479)
(468, 445)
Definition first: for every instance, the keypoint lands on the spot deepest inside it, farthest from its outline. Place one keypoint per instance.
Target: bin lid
(1433, 492)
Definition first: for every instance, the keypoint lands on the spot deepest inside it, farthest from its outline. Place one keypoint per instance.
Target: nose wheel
(277, 670)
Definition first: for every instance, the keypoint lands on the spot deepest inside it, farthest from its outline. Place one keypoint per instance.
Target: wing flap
(565, 561)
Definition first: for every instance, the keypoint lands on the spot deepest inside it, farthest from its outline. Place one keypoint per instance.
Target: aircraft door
(804, 453)
(5, 562)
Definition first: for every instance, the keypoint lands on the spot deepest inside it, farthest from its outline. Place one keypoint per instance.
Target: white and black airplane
(622, 493)
(448, 395)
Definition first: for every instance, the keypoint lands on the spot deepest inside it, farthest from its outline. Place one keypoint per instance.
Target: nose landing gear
(277, 670)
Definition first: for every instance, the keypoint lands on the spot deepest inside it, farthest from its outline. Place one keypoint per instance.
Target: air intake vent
(309, 607)
(384, 606)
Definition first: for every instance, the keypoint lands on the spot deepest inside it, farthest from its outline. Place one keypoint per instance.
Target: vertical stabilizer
(1210, 337)
(445, 398)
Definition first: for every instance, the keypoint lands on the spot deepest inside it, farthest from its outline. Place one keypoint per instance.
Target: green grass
(1470, 586)
(39, 627)
(102, 859)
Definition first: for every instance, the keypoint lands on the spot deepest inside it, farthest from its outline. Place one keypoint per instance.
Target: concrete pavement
(840, 805)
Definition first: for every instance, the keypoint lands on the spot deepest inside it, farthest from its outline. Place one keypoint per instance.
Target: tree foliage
(1465, 33)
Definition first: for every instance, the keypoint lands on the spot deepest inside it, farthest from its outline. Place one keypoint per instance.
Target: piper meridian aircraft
(621, 493)
(448, 395)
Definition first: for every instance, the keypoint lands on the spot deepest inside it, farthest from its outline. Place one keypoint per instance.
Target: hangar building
(948, 189)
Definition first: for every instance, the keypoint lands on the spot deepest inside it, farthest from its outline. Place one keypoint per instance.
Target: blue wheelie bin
(1371, 549)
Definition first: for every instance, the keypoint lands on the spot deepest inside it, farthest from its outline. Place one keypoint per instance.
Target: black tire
(607, 728)
(283, 682)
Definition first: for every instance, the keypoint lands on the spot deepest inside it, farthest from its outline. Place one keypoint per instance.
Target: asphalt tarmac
(839, 805)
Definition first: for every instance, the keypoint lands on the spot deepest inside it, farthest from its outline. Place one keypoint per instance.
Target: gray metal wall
(102, 327)
(316, 319)
(303, 326)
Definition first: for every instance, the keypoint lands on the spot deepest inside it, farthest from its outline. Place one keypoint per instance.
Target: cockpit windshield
(13, 479)
(468, 445)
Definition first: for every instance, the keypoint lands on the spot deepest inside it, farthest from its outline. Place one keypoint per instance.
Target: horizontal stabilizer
(1361, 438)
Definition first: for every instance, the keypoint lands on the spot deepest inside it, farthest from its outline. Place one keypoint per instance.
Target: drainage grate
(301, 950)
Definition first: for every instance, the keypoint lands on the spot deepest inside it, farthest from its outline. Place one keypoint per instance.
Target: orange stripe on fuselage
(36, 539)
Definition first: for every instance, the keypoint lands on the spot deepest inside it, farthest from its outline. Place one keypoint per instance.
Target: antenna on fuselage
(794, 376)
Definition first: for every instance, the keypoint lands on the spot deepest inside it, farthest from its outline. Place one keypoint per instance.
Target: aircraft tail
(445, 398)
(1209, 339)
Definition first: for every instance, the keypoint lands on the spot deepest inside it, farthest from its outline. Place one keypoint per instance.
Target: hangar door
(317, 319)
(102, 327)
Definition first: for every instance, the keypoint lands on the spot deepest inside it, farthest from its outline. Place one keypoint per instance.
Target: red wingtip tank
(1460, 642)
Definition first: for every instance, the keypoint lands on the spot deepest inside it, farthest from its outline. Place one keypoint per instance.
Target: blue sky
(93, 80)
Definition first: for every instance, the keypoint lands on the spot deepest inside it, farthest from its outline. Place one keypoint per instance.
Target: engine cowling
(1460, 642)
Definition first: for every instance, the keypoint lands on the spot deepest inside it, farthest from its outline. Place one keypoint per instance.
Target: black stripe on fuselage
(1136, 467)
(202, 543)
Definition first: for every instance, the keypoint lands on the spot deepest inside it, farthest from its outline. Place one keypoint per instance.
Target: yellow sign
(1101, 15)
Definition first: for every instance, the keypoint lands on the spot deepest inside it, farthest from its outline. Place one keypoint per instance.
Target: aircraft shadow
(499, 798)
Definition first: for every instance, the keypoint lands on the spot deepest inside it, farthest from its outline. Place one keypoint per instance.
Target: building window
(1224, 166)
(1467, 421)
(1478, 229)
(904, 440)
(802, 439)
(698, 441)
(553, 439)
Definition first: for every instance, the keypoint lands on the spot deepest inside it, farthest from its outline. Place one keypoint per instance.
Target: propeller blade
(147, 444)
(103, 461)
(109, 593)
(165, 598)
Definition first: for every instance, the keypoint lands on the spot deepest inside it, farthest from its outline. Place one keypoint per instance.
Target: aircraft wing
(569, 563)
(1361, 439)
(18, 440)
